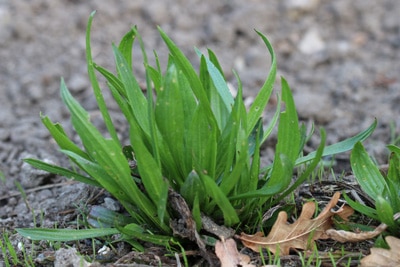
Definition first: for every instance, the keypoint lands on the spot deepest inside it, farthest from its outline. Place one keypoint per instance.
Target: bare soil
(341, 58)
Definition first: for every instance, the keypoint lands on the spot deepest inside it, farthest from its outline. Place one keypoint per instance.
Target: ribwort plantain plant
(189, 135)
(383, 188)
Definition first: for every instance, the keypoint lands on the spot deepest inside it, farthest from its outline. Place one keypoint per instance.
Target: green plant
(383, 188)
(13, 256)
(189, 135)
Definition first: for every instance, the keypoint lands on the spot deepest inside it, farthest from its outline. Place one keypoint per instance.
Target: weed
(188, 135)
(383, 188)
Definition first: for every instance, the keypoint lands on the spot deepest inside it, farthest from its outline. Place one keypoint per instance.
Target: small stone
(78, 83)
(111, 204)
(30, 176)
(311, 43)
(314, 105)
(302, 5)
(69, 257)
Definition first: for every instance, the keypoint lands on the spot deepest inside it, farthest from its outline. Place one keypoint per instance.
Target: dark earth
(341, 58)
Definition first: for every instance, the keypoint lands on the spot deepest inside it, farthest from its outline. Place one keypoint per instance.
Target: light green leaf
(342, 146)
(384, 211)
(108, 155)
(287, 148)
(65, 234)
(264, 94)
(370, 212)
(61, 171)
(95, 84)
(125, 46)
(137, 101)
(366, 172)
(61, 138)
(219, 82)
(136, 231)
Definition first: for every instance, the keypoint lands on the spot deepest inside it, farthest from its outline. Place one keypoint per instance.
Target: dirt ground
(341, 58)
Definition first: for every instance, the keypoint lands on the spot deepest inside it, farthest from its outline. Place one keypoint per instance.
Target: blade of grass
(342, 146)
(61, 171)
(95, 84)
(306, 174)
(61, 138)
(151, 175)
(170, 119)
(370, 212)
(229, 213)
(288, 142)
(125, 46)
(264, 94)
(65, 234)
(137, 100)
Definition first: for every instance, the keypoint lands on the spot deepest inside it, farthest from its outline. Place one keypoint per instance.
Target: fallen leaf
(345, 236)
(229, 256)
(384, 257)
(302, 233)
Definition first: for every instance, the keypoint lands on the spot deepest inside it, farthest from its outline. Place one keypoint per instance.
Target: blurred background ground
(341, 58)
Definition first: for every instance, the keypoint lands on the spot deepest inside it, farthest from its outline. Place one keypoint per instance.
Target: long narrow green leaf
(137, 100)
(100, 176)
(186, 67)
(366, 172)
(108, 154)
(218, 79)
(125, 46)
(203, 143)
(112, 79)
(151, 175)
(213, 58)
(273, 121)
(342, 146)
(65, 234)
(61, 138)
(134, 230)
(61, 171)
(170, 118)
(370, 212)
(217, 105)
(230, 216)
(95, 84)
(308, 171)
(264, 94)
(384, 210)
(288, 142)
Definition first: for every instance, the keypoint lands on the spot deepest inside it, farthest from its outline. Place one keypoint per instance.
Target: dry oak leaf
(302, 233)
(229, 256)
(384, 257)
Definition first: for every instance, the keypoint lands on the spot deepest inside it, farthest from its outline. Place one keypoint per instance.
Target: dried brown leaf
(229, 256)
(384, 257)
(302, 233)
(345, 236)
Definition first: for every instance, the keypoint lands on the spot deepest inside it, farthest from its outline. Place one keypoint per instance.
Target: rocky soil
(341, 58)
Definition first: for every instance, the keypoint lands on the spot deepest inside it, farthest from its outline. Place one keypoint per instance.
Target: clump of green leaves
(188, 134)
(382, 187)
